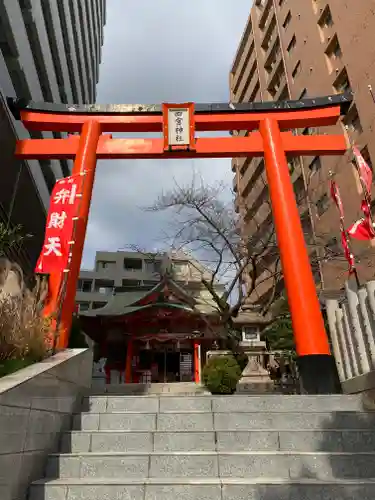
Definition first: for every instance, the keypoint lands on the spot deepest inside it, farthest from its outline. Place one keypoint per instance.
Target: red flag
(348, 255)
(361, 230)
(335, 193)
(365, 172)
(54, 256)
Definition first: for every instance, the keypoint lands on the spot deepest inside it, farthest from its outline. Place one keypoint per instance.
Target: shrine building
(150, 317)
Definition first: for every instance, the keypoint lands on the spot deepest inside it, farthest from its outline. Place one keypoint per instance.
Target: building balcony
(248, 53)
(261, 198)
(319, 6)
(282, 93)
(270, 53)
(252, 89)
(265, 13)
(326, 24)
(247, 78)
(337, 67)
(237, 204)
(269, 30)
(251, 175)
(276, 72)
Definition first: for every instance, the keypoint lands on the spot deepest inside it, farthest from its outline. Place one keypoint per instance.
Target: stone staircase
(230, 448)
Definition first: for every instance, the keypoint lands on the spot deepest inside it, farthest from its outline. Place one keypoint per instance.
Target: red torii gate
(268, 125)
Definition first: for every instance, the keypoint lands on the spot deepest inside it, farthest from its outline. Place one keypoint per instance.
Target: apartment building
(292, 49)
(122, 271)
(49, 51)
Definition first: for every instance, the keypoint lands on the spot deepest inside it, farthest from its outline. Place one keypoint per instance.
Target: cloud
(154, 52)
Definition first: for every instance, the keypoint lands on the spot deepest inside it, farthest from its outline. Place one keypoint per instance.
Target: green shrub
(13, 365)
(221, 374)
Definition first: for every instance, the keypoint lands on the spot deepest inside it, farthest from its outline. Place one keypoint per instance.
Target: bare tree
(206, 225)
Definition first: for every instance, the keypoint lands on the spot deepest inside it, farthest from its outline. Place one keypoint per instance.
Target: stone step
(297, 440)
(172, 388)
(223, 404)
(223, 421)
(284, 465)
(203, 489)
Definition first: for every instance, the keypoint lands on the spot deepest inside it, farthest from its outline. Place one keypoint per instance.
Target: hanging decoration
(63, 211)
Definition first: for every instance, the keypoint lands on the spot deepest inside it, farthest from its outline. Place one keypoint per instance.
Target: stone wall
(36, 404)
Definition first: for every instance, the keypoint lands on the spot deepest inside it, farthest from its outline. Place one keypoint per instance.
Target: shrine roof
(167, 293)
(134, 309)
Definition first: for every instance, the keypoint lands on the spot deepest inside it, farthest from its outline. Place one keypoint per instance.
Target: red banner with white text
(63, 210)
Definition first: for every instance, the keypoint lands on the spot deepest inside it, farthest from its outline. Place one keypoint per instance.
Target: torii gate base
(273, 140)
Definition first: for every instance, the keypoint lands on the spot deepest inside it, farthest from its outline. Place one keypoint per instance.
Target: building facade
(136, 271)
(291, 50)
(49, 51)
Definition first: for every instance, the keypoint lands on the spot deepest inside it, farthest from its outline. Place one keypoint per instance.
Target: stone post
(349, 340)
(367, 324)
(358, 334)
(348, 371)
(332, 305)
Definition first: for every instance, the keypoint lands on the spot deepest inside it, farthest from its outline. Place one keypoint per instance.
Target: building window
(334, 50)
(315, 165)
(105, 264)
(284, 96)
(297, 70)
(292, 45)
(131, 283)
(133, 265)
(153, 266)
(98, 305)
(83, 306)
(104, 287)
(326, 18)
(322, 204)
(303, 94)
(84, 285)
(299, 189)
(287, 20)
(150, 283)
(342, 83)
(353, 122)
(366, 157)
(180, 268)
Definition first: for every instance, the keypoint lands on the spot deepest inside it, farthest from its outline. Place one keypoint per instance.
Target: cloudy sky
(157, 51)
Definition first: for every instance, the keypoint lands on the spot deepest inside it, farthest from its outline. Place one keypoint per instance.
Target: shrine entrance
(269, 130)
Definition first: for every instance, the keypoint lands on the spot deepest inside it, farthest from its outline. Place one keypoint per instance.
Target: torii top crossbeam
(269, 125)
(318, 112)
